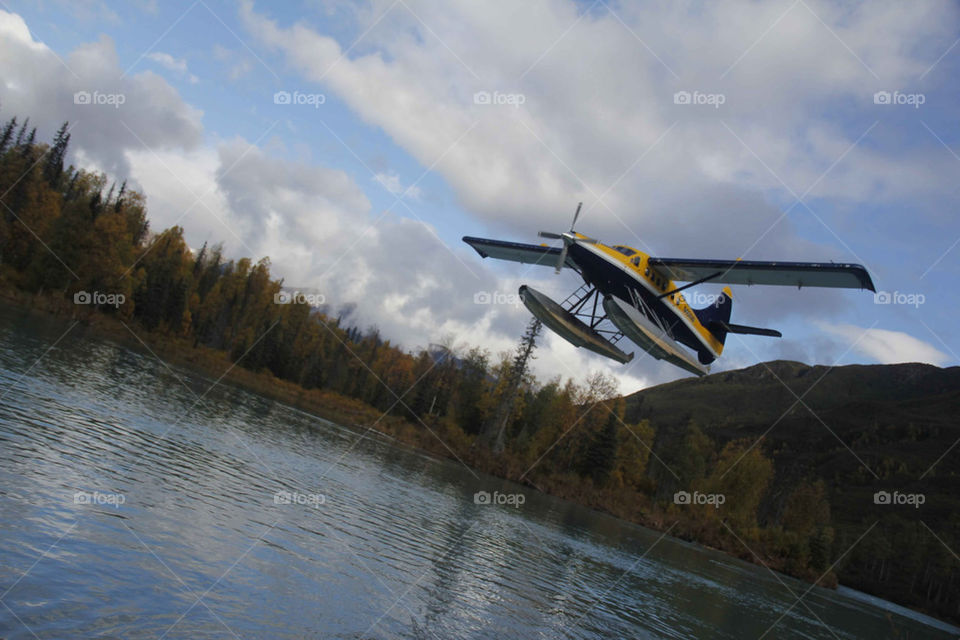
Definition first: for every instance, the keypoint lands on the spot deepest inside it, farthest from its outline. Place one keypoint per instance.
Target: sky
(354, 144)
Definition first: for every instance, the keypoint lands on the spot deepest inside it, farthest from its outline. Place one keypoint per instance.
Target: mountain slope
(860, 429)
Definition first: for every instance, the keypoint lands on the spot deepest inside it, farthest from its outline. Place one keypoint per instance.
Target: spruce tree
(496, 428)
(7, 134)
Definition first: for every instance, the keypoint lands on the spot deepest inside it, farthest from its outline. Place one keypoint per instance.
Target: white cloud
(137, 111)
(178, 65)
(888, 347)
(391, 182)
(596, 98)
(13, 28)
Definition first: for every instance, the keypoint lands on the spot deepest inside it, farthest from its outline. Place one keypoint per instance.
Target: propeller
(576, 214)
(568, 238)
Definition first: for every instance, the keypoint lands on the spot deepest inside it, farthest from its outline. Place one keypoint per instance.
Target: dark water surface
(137, 502)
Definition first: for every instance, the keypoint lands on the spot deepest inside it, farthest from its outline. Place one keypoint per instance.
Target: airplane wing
(795, 274)
(516, 251)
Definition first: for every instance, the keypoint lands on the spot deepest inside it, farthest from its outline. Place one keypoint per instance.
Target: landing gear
(579, 300)
(569, 320)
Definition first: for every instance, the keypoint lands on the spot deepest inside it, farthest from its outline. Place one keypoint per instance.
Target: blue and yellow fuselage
(618, 270)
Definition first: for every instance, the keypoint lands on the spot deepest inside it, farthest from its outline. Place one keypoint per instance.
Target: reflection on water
(140, 501)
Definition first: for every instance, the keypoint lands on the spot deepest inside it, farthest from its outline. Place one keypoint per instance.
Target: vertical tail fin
(716, 317)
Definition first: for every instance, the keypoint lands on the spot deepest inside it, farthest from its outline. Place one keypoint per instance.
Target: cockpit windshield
(627, 251)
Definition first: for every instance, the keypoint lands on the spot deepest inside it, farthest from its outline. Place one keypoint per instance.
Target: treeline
(67, 232)
(64, 231)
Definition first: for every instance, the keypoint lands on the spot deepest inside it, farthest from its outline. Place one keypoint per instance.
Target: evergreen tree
(21, 135)
(53, 167)
(28, 145)
(510, 389)
(119, 203)
(7, 136)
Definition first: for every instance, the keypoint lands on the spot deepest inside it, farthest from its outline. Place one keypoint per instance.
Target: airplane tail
(716, 318)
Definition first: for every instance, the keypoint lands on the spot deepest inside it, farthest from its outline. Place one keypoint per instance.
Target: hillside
(761, 393)
(904, 415)
(859, 428)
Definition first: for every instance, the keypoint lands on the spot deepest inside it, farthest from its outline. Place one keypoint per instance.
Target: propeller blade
(563, 257)
(550, 234)
(575, 216)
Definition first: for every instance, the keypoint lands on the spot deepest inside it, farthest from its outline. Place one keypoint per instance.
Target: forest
(66, 232)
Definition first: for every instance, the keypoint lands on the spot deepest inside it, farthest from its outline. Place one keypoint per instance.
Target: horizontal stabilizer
(517, 251)
(744, 329)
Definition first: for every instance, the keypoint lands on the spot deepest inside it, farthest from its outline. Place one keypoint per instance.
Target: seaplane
(628, 295)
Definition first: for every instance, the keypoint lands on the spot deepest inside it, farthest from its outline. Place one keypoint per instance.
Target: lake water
(143, 502)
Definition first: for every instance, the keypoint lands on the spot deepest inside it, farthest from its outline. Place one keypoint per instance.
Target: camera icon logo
(482, 297)
(481, 497)
(282, 297)
(282, 497)
(81, 97)
(81, 297)
(881, 497)
(681, 497)
(481, 97)
(881, 97)
(882, 297)
(681, 97)
(281, 97)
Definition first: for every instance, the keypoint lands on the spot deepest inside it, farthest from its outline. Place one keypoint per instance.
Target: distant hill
(897, 419)
(762, 390)
(908, 411)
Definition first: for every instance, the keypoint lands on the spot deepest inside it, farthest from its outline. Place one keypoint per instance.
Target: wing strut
(687, 286)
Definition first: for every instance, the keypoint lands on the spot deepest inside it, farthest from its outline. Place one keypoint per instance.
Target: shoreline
(351, 413)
